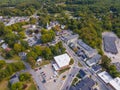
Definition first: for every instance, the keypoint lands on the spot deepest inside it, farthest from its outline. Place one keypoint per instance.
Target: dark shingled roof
(82, 73)
(84, 84)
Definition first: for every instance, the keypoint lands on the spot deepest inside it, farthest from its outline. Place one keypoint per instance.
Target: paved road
(70, 77)
(102, 85)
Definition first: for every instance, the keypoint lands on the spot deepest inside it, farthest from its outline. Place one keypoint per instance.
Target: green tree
(31, 61)
(17, 47)
(2, 63)
(17, 86)
(25, 77)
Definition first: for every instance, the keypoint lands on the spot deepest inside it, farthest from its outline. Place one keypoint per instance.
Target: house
(105, 76)
(115, 83)
(89, 51)
(62, 26)
(109, 44)
(14, 79)
(51, 25)
(4, 46)
(96, 68)
(71, 39)
(61, 62)
(94, 60)
(1, 41)
(85, 84)
(23, 55)
(39, 59)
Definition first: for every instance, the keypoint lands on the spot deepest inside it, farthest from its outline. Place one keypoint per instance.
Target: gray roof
(109, 44)
(96, 68)
(86, 47)
(94, 60)
(84, 84)
(71, 37)
(14, 79)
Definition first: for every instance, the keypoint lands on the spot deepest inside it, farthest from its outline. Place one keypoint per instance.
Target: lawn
(45, 62)
(32, 87)
(75, 81)
(4, 85)
(79, 64)
(64, 70)
(71, 61)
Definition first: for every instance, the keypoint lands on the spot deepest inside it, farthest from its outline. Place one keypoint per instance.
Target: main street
(101, 84)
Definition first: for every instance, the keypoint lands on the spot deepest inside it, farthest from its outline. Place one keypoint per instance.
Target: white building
(105, 77)
(62, 61)
(115, 83)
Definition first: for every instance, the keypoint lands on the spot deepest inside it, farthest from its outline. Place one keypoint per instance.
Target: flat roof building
(115, 83)
(96, 68)
(94, 60)
(90, 52)
(62, 61)
(109, 44)
(71, 39)
(105, 76)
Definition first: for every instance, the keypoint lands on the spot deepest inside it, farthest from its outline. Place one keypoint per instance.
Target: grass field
(4, 85)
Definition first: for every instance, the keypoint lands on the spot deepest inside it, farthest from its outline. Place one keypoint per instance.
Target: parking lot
(49, 77)
(114, 57)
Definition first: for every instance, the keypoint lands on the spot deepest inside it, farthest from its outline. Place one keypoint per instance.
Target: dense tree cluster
(9, 69)
(106, 63)
(46, 52)
(47, 36)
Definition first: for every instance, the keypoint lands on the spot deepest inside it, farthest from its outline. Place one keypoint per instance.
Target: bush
(2, 63)
(71, 61)
(25, 77)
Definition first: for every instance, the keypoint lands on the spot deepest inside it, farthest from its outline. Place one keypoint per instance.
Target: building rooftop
(94, 60)
(86, 47)
(84, 84)
(14, 79)
(109, 44)
(71, 37)
(96, 68)
(115, 83)
(62, 60)
(82, 73)
(105, 76)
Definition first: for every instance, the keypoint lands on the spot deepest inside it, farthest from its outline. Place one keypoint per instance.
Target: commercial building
(105, 76)
(71, 39)
(85, 84)
(94, 60)
(89, 51)
(96, 68)
(61, 61)
(109, 44)
(115, 83)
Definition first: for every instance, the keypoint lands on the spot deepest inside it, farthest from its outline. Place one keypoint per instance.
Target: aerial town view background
(59, 44)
